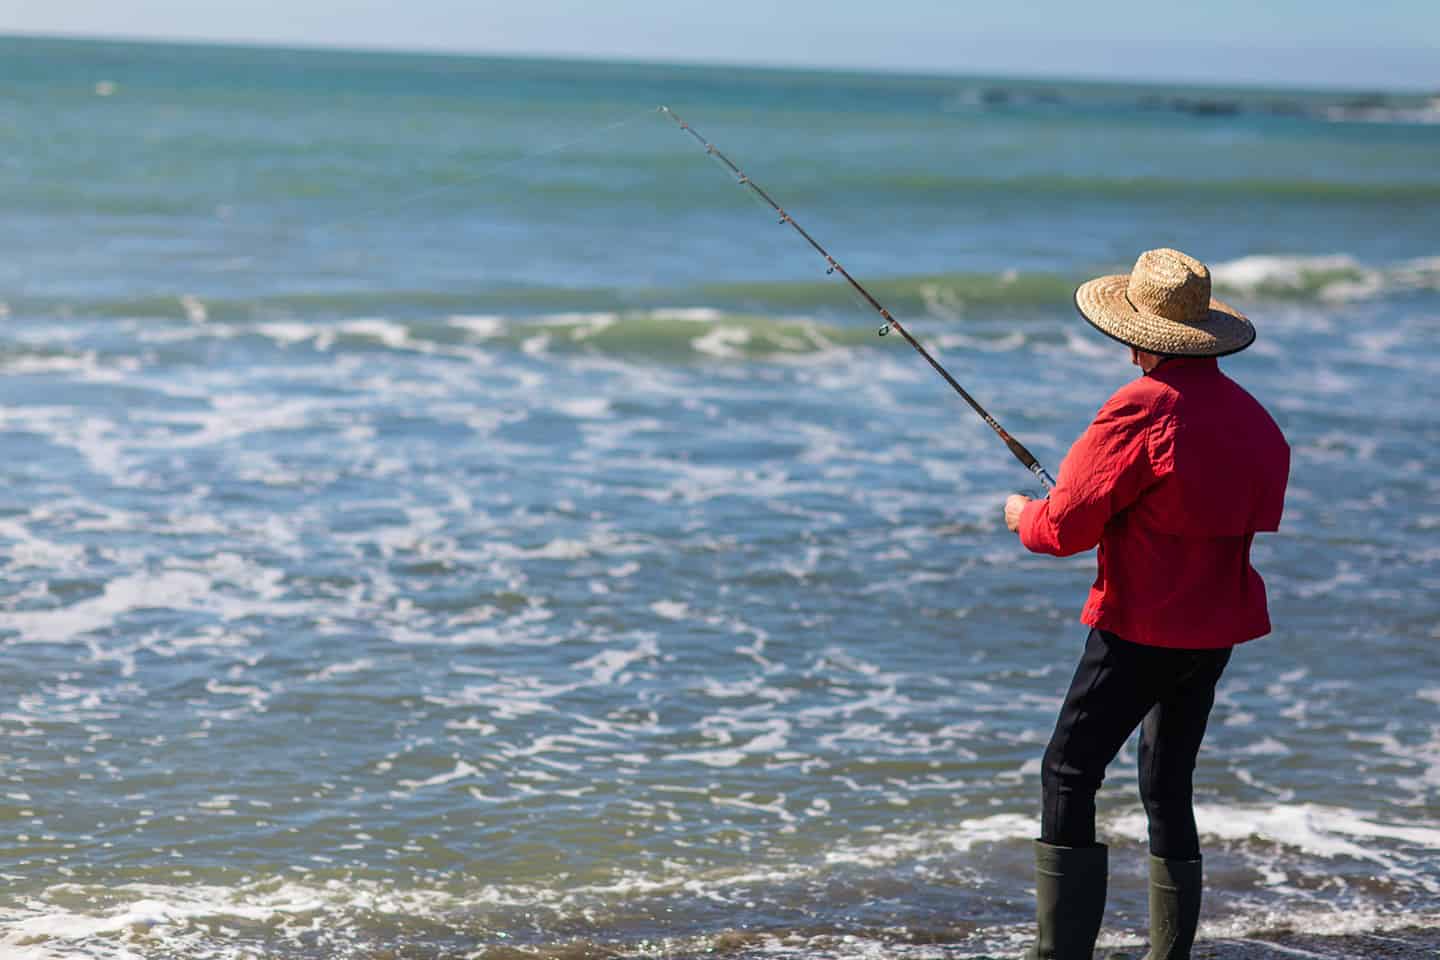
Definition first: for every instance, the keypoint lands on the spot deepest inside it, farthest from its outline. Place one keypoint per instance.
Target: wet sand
(1409, 944)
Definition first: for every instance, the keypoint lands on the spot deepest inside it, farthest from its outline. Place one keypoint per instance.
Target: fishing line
(833, 266)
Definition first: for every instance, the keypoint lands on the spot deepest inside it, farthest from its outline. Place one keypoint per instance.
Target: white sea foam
(1327, 832)
(287, 334)
(361, 665)
(939, 842)
(670, 609)
(723, 342)
(472, 725)
(593, 321)
(559, 549)
(1335, 277)
(175, 589)
(1267, 746)
(1255, 271)
(688, 314)
(483, 327)
(195, 310)
(461, 771)
(233, 415)
(132, 920)
(1090, 347)
(607, 665)
(775, 807)
(97, 441)
(585, 408)
(1315, 920)
(391, 334)
(1007, 343)
(28, 550)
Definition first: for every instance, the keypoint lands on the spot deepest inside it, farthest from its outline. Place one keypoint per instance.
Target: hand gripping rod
(833, 266)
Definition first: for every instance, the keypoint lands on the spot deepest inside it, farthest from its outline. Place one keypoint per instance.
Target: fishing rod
(833, 266)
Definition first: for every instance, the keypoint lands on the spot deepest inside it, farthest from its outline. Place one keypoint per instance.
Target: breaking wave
(734, 320)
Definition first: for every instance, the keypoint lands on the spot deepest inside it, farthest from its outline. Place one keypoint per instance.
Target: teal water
(443, 516)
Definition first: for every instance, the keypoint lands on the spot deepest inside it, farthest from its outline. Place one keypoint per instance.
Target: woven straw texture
(1164, 306)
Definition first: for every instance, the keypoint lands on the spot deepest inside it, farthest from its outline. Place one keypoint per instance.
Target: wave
(1337, 277)
(1122, 188)
(304, 211)
(1200, 103)
(998, 312)
(947, 296)
(667, 334)
(729, 322)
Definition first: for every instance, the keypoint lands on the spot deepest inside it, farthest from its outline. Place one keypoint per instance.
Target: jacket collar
(1177, 364)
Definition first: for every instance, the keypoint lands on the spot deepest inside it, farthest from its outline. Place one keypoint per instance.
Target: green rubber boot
(1174, 908)
(1069, 901)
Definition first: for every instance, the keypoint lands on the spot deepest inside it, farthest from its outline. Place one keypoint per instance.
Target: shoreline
(1405, 943)
(1410, 943)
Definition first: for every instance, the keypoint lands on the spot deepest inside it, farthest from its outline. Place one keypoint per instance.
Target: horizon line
(301, 46)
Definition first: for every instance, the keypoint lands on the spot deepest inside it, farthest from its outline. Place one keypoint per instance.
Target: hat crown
(1170, 284)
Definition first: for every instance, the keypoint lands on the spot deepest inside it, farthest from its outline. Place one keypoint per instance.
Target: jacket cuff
(1029, 518)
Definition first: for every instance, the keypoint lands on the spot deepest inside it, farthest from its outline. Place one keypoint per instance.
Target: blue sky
(1392, 44)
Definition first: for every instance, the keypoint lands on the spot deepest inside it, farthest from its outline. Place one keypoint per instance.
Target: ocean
(443, 517)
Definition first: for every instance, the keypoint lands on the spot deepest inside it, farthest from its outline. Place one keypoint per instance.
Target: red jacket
(1172, 480)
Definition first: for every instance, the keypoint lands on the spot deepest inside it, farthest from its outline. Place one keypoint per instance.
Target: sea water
(442, 516)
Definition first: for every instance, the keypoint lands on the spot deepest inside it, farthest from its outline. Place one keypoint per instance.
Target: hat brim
(1103, 303)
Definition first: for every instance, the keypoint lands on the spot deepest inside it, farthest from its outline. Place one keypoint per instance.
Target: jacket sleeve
(1107, 469)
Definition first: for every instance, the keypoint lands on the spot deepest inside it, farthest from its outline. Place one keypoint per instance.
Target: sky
(1378, 44)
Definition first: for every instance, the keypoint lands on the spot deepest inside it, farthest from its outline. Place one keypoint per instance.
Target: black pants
(1120, 685)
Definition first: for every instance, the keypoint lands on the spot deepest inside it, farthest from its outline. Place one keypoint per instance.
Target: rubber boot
(1069, 901)
(1174, 907)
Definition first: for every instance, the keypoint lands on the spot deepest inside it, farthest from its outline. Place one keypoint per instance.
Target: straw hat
(1164, 306)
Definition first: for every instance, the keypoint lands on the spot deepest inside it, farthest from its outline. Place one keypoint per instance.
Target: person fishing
(1178, 472)
(1171, 481)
